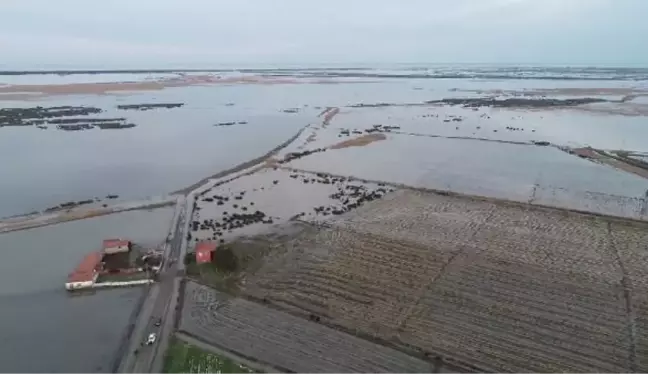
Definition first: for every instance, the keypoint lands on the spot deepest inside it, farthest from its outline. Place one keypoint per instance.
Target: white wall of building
(116, 249)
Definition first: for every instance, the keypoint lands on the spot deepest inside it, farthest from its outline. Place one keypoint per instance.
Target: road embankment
(45, 219)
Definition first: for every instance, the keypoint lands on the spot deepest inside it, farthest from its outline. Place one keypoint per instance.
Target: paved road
(160, 304)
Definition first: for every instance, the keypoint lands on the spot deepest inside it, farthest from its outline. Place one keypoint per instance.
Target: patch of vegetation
(476, 102)
(229, 262)
(211, 274)
(182, 357)
(225, 260)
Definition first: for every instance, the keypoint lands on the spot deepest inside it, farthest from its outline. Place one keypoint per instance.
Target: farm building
(111, 246)
(85, 275)
(205, 251)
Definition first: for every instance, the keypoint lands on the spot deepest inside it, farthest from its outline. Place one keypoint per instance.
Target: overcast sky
(212, 33)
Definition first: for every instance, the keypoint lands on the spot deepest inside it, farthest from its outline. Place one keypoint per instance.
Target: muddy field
(253, 204)
(490, 286)
(284, 341)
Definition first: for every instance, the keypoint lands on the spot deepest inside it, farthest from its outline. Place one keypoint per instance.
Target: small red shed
(205, 251)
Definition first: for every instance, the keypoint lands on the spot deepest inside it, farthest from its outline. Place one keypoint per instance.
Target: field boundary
(240, 167)
(494, 200)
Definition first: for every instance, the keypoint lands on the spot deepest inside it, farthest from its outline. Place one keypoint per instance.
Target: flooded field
(510, 171)
(37, 310)
(364, 138)
(256, 203)
(167, 149)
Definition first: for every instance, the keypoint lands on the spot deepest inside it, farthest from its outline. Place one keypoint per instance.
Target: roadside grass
(182, 357)
(228, 263)
(209, 274)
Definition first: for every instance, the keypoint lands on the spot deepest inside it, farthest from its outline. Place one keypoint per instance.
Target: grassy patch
(230, 263)
(211, 275)
(186, 358)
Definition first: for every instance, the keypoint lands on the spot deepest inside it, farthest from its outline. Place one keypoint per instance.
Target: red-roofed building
(205, 251)
(85, 275)
(111, 246)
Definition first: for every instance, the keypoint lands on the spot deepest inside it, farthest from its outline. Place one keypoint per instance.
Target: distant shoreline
(36, 91)
(418, 71)
(134, 71)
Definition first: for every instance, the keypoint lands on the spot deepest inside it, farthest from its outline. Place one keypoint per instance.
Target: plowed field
(281, 340)
(493, 286)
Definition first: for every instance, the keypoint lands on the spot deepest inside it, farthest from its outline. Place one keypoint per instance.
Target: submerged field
(386, 268)
(190, 128)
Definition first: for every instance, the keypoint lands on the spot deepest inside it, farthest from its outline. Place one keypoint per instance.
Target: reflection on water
(172, 148)
(507, 171)
(43, 327)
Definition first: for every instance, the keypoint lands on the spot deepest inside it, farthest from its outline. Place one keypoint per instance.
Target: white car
(151, 339)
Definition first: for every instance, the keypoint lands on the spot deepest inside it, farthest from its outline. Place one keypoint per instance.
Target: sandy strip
(328, 114)
(29, 91)
(360, 141)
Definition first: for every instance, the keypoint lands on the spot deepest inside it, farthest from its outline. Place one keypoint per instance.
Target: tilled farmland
(487, 285)
(282, 340)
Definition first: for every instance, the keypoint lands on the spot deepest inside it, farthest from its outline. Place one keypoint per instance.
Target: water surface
(45, 328)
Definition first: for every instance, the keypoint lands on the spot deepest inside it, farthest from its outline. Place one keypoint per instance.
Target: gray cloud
(206, 33)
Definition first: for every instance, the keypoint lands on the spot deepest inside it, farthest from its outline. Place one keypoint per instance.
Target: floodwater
(500, 170)
(172, 148)
(46, 329)
(169, 149)
(559, 126)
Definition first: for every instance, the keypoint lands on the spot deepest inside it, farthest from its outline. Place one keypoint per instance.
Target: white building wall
(116, 249)
(81, 285)
(78, 285)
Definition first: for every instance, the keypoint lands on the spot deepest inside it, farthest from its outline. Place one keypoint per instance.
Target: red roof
(205, 246)
(111, 243)
(86, 269)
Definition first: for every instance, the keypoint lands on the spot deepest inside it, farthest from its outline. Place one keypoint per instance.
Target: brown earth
(359, 141)
(284, 341)
(489, 286)
(29, 91)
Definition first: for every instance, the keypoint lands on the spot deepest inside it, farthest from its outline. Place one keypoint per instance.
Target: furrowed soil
(284, 341)
(486, 285)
